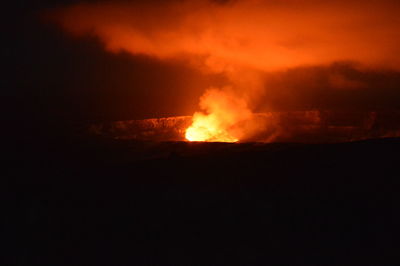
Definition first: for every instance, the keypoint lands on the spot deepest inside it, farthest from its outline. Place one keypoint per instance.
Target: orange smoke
(264, 35)
(251, 35)
(222, 119)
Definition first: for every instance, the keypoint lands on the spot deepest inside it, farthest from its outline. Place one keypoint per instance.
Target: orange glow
(243, 40)
(263, 35)
(208, 128)
(222, 121)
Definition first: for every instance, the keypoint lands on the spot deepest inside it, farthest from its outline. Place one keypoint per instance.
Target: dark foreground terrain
(106, 202)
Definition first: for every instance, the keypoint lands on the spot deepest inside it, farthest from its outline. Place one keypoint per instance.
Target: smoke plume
(245, 40)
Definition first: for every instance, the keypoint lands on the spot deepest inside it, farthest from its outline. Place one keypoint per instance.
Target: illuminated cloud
(264, 35)
(285, 45)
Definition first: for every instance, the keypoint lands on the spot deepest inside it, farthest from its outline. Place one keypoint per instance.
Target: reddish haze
(265, 35)
(243, 39)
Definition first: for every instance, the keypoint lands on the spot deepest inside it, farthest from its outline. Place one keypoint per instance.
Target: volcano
(200, 132)
(299, 126)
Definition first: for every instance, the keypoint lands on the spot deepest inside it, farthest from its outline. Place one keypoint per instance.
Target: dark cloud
(341, 85)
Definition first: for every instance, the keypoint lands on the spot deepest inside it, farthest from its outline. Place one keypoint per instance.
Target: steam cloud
(245, 39)
(264, 35)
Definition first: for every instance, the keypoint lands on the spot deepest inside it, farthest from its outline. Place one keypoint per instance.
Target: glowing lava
(225, 112)
(208, 128)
